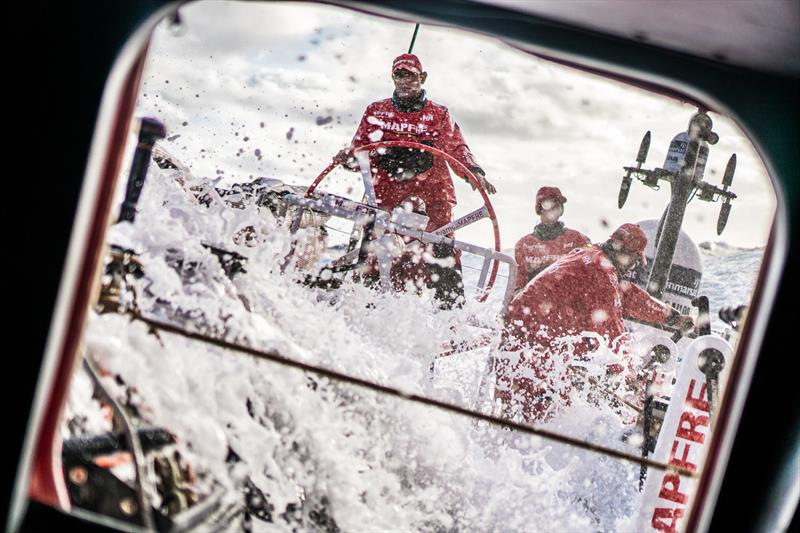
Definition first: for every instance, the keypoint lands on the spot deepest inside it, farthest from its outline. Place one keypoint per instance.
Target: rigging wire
(276, 357)
(413, 38)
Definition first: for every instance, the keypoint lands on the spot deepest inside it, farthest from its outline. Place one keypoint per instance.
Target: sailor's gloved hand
(488, 187)
(346, 158)
(481, 176)
(684, 323)
(342, 156)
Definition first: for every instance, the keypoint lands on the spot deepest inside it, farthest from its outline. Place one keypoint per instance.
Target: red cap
(633, 239)
(407, 62)
(548, 193)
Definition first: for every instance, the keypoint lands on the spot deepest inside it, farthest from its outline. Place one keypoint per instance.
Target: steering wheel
(458, 167)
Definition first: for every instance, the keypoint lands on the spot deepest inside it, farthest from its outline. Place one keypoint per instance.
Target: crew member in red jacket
(550, 238)
(400, 173)
(563, 312)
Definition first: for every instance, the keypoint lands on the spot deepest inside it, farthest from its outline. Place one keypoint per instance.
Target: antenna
(413, 38)
(684, 172)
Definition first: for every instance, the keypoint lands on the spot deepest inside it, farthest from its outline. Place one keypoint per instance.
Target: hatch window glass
(462, 288)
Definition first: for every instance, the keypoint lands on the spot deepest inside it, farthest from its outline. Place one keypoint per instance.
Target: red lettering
(672, 494)
(698, 403)
(683, 462)
(687, 425)
(672, 515)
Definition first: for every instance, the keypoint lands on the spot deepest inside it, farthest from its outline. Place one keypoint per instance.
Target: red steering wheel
(458, 167)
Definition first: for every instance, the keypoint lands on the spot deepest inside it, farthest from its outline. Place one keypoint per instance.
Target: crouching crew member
(562, 315)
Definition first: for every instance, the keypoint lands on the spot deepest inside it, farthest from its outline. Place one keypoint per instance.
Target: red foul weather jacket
(534, 254)
(431, 125)
(580, 292)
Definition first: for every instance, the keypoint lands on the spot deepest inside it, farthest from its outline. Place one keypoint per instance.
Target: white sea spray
(373, 462)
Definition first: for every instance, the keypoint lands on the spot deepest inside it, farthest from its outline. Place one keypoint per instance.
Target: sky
(249, 90)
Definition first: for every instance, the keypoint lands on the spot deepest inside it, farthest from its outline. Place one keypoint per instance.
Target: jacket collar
(548, 232)
(409, 105)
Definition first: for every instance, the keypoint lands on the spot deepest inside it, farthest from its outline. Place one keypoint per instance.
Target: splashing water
(319, 448)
